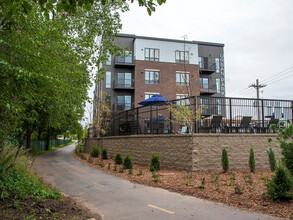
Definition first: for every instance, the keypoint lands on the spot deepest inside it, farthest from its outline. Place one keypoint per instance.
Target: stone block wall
(175, 150)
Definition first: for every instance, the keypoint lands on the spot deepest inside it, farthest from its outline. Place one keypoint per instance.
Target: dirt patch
(241, 189)
(44, 209)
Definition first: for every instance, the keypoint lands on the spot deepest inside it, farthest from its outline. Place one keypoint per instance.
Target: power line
(273, 76)
(280, 79)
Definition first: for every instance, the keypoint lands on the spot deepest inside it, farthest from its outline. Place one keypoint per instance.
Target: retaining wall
(175, 150)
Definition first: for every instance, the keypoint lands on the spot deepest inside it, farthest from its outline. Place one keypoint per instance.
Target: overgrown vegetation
(17, 178)
(225, 160)
(95, 152)
(127, 164)
(272, 159)
(251, 160)
(155, 162)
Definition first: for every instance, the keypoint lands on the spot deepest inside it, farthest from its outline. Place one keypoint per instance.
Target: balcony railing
(123, 84)
(122, 107)
(207, 67)
(209, 90)
(124, 61)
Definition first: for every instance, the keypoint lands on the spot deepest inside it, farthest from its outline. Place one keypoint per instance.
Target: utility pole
(257, 86)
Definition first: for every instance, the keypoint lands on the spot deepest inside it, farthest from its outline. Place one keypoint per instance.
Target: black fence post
(137, 121)
(170, 121)
(151, 119)
(230, 109)
(291, 112)
(119, 124)
(263, 117)
(196, 108)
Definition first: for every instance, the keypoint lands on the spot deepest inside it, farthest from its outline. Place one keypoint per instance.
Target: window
(123, 102)
(151, 54)
(108, 61)
(204, 83)
(108, 79)
(124, 80)
(152, 77)
(204, 104)
(201, 62)
(217, 61)
(218, 85)
(184, 101)
(219, 109)
(148, 95)
(182, 79)
(127, 58)
(181, 56)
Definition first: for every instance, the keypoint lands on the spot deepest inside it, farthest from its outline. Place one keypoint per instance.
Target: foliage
(225, 160)
(272, 159)
(127, 164)
(251, 160)
(118, 158)
(20, 181)
(214, 179)
(139, 173)
(202, 185)
(238, 189)
(79, 148)
(155, 162)
(155, 176)
(95, 152)
(232, 176)
(121, 170)
(280, 187)
(285, 138)
(104, 154)
(130, 172)
(187, 179)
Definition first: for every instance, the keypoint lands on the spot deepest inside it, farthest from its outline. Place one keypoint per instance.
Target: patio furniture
(245, 124)
(273, 121)
(214, 125)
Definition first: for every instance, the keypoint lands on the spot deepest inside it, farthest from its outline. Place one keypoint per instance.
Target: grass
(36, 153)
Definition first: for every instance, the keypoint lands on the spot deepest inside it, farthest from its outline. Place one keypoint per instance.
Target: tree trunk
(28, 140)
(47, 141)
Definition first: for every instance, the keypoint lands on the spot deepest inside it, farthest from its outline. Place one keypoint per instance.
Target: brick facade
(175, 150)
(167, 86)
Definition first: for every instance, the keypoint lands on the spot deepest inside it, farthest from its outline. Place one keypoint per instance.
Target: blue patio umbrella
(154, 100)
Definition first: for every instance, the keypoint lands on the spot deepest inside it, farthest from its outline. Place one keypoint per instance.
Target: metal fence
(218, 115)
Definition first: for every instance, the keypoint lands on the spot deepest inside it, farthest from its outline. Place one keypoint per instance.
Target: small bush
(272, 159)
(280, 187)
(118, 158)
(139, 173)
(238, 189)
(121, 170)
(155, 162)
(130, 171)
(232, 176)
(104, 154)
(79, 148)
(95, 152)
(127, 164)
(115, 168)
(251, 160)
(225, 160)
(202, 185)
(214, 179)
(156, 177)
(109, 166)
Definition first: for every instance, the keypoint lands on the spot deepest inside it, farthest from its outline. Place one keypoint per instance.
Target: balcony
(127, 84)
(207, 67)
(122, 106)
(208, 90)
(124, 62)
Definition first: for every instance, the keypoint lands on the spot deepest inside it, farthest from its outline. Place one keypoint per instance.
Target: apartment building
(165, 67)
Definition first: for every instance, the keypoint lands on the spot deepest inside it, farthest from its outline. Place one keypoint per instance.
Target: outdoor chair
(134, 127)
(245, 124)
(214, 125)
(273, 121)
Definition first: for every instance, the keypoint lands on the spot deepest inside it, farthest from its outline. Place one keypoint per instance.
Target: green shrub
(127, 164)
(272, 159)
(155, 162)
(225, 160)
(280, 187)
(79, 148)
(104, 154)
(95, 152)
(251, 160)
(139, 173)
(118, 159)
(19, 180)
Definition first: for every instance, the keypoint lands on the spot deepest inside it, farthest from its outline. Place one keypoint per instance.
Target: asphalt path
(116, 198)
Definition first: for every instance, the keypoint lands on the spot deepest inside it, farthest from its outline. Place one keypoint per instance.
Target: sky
(258, 38)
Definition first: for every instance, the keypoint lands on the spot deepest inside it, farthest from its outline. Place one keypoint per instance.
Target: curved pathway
(117, 198)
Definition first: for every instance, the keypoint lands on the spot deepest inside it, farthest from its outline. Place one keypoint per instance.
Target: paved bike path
(116, 198)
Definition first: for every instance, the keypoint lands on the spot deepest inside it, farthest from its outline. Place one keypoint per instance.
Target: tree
(225, 160)
(251, 160)
(187, 113)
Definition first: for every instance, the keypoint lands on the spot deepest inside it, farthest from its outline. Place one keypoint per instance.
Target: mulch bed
(44, 209)
(218, 186)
